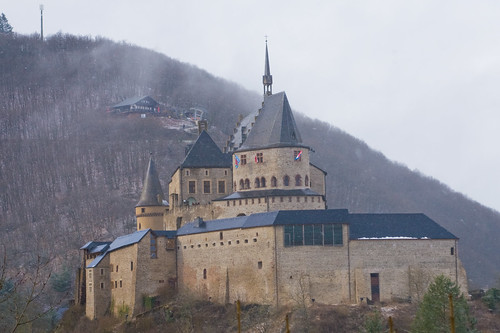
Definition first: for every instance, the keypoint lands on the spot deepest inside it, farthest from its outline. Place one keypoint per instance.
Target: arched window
(242, 185)
(298, 180)
(257, 182)
(263, 182)
(274, 182)
(286, 180)
(306, 181)
(247, 183)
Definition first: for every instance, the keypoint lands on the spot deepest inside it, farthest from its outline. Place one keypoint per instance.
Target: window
(117, 268)
(259, 265)
(221, 235)
(306, 181)
(247, 183)
(286, 180)
(187, 172)
(206, 172)
(259, 158)
(257, 182)
(143, 210)
(206, 186)
(116, 284)
(242, 184)
(312, 234)
(243, 159)
(297, 155)
(111, 267)
(452, 251)
(222, 186)
(102, 271)
(262, 182)
(131, 265)
(192, 186)
(274, 181)
(102, 285)
(298, 180)
(90, 275)
(204, 273)
(225, 172)
(152, 247)
(121, 285)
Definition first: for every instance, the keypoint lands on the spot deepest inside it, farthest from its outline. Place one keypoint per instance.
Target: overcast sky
(417, 80)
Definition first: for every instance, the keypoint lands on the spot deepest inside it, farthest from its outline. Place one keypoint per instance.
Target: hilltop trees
(5, 27)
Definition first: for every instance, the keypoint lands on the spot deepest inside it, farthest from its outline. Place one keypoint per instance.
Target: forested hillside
(71, 172)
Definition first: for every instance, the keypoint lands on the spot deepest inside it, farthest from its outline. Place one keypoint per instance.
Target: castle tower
(151, 206)
(267, 78)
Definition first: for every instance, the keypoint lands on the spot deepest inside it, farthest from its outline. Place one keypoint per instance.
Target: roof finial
(267, 78)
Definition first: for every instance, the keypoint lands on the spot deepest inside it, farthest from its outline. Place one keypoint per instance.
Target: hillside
(71, 172)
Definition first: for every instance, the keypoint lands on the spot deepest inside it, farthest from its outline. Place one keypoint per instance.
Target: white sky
(417, 80)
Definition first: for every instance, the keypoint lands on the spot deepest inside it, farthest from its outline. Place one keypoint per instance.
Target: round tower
(151, 207)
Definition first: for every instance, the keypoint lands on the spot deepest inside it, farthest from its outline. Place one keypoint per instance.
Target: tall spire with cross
(267, 78)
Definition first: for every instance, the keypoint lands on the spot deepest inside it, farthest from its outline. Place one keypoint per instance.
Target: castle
(251, 224)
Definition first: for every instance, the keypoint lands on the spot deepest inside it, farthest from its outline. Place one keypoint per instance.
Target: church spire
(267, 78)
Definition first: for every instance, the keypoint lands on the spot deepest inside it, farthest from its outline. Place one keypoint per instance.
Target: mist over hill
(71, 172)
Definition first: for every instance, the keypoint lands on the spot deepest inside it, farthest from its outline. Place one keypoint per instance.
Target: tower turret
(151, 206)
(267, 78)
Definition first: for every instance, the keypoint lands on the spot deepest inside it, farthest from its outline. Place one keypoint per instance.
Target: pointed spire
(152, 193)
(267, 79)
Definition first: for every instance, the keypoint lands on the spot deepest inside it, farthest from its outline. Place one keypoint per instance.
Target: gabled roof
(118, 243)
(275, 126)
(206, 154)
(396, 226)
(269, 193)
(152, 193)
(134, 100)
(281, 217)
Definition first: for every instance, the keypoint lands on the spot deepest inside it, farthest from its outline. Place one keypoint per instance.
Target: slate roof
(118, 243)
(133, 100)
(275, 126)
(269, 193)
(92, 246)
(152, 193)
(403, 226)
(281, 217)
(206, 154)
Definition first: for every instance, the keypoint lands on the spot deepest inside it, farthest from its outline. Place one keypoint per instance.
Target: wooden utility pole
(452, 314)
(287, 325)
(238, 314)
(391, 325)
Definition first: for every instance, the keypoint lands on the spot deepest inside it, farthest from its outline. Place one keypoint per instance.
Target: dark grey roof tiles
(206, 154)
(135, 100)
(281, 217)
(396, 226)
(152, 193)
(269, 193)
(275, 126)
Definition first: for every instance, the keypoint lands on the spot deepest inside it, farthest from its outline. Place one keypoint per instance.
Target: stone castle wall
(405, 267)
(228, 265)
(97, 290)
(150, 217)
(123, 266)
(277, 162)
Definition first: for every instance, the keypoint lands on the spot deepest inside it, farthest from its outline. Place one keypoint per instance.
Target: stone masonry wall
(154, 272)
(150, 217)
(405, 267)
(278, 162)
(123, 279)
(312, 272)
(228, 265)
(98, 290)
(317, 183)
(180, 184)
